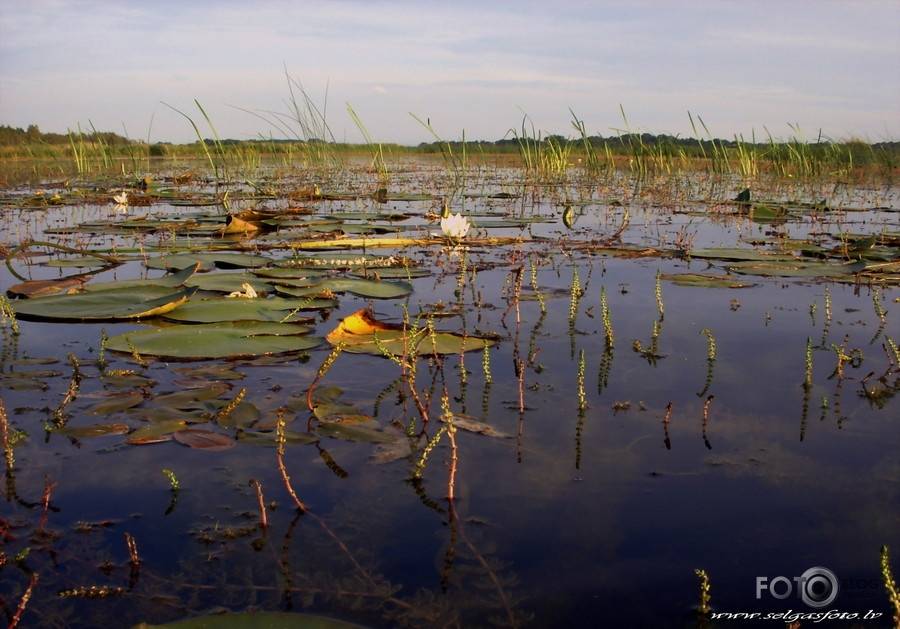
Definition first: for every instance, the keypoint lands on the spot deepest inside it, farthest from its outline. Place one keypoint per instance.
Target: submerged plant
(660, 306)
(607, 321)
(703, 608)
(173, 479)
(712, 351)
(582, 398)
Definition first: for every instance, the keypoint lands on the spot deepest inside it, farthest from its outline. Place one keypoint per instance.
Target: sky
(744, 66)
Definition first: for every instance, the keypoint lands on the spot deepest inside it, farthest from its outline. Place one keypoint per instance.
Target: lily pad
(373, 289)
(216, 340)
(207, 261)
(230, 309)
(203, 439)
(95, 430)
(705, 281)
(112, 305)
(229, 282)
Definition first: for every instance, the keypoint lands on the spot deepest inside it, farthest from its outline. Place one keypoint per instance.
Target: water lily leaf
(725, 253)
(288, 273)
(170, 280)
(255, 620)
(373, 289)
(362, 243)
(229, 282)
(189, 398)
(361, 333)
(464, 422)
(207, 261)
(268, 438)
(117, 403)
(355, 432)
(229, 309)
(705, 281)
(245, 414)
(216, 340)
(157, 432)
(768, 214)
(398, 272)
(795, 269)
(42, 288)
(390, 452)
(203, 439)
(126, 380)
(112, 305)
(338, 412)
(95, 430)
(217, 372)
(85, 262)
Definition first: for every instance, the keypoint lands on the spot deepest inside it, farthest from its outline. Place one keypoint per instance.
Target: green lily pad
(207, 261)
(156, 432)
(110, 305)
(117, 403)
(216, 340)
(373, 289)
(95, 430)
(233, 309)
(725, 253)
(703, 281)
(171, 280)
(795, 269)
(228, 282)
(389, 273)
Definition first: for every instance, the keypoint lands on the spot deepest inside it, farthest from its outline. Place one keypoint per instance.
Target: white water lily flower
(455, 226)
(121, 198)
(246, 293)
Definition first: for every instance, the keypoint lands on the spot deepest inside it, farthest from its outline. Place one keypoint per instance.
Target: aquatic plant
(280, 443)
(174, 484)
(660, 306)
(607, 320)
(702, 576)
(890, 585)
(582, 398)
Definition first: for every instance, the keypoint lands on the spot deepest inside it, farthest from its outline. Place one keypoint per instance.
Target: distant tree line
(31, 135)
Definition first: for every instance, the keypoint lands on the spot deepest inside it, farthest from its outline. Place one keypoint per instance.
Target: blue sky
(467, 65)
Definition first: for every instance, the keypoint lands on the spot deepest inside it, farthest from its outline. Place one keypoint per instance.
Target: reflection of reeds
(667, 418)
(706, 406)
